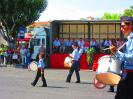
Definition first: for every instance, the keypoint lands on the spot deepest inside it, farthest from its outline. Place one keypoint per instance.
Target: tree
(16, 13)
(109, 16)
(128, 12)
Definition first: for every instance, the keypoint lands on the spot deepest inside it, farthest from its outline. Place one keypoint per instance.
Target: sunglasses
(123, 26)
(126, 24)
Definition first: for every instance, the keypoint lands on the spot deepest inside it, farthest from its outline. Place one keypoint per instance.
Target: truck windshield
(35, 42)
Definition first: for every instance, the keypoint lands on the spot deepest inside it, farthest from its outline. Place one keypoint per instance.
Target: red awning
(25, 39)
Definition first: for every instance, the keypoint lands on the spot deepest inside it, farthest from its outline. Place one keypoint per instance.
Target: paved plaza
(15, 84)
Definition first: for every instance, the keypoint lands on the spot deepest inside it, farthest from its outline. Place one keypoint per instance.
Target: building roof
(38, 24)
(87, 21)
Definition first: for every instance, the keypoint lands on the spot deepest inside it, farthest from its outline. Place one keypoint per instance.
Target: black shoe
(111, 90)
(44, 85)
(77, 82)
(67, 81)
(32, 84)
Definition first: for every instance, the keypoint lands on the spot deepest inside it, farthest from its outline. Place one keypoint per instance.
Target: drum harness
(124, 72)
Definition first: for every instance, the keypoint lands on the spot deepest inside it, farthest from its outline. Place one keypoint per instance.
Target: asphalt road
(15, 84)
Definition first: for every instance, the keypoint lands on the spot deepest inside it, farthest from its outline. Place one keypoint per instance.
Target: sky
(76, 9)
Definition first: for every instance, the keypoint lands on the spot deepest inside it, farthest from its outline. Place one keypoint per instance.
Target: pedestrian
(125, 85)
(40, 72)
(28, 57)
(75, 63)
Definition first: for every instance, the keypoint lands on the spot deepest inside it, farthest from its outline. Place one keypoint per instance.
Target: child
(40, 72)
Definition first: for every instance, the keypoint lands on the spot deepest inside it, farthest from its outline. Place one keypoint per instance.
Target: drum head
(33, 66)
(68, 62)
(108, 78)
(98, 84)
(68, 65)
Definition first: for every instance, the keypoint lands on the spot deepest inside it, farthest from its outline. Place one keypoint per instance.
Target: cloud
(60, 13)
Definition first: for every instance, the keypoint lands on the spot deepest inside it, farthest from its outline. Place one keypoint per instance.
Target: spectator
(15, 58)
(86, 45)
(56, 45)
(62, 46)
(28, 57)
(23, 54)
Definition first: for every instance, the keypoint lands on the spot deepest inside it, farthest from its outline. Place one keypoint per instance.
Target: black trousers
(75, 67)
(38, 75)
(125, 87)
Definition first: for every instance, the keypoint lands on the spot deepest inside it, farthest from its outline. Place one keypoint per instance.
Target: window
(35, 42)
(43, 41)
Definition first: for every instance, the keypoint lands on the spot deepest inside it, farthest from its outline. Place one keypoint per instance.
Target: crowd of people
(64, 45)
(21, 54)
(18, 55)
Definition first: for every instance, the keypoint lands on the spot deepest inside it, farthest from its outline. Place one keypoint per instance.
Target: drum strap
(123, 44)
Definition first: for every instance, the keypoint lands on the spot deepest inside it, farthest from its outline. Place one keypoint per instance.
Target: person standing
(2, 59)
(81, 50)
(23, 52)
(125, 86)
(28, 57)
(42, 50)
(75, 64)
(40, 72)
(56, 45)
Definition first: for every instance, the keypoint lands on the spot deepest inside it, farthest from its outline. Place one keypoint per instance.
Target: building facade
(86, 29)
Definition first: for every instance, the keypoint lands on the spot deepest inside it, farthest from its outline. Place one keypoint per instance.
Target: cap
(126, 18)
(75, 44)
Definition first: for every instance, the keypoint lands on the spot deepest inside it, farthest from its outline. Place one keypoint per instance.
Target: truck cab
(38, 38)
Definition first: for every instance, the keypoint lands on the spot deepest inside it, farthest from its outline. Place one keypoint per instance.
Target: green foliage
(90, 54)
(128, 12)
(109, 16)
(116, 16)
(14, 13)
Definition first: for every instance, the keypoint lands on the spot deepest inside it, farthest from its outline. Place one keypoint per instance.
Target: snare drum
(68, 62)
(109, 70)
(33, 66)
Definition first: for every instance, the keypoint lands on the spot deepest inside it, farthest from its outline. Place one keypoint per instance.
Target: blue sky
(76, 9)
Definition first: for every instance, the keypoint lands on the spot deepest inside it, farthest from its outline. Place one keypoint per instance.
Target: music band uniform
(40, 72)
(75, 65)
(125, 86)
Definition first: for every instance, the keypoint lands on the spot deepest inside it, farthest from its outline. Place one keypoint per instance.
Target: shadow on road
(54, 87)
(86, 83)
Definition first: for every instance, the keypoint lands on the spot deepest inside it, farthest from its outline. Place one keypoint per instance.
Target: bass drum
(33, 66)
(109, 70)
(68, 62)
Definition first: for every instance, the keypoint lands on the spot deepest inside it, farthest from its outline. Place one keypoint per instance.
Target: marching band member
(75, 65)
(40, 72)
(125, 86)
